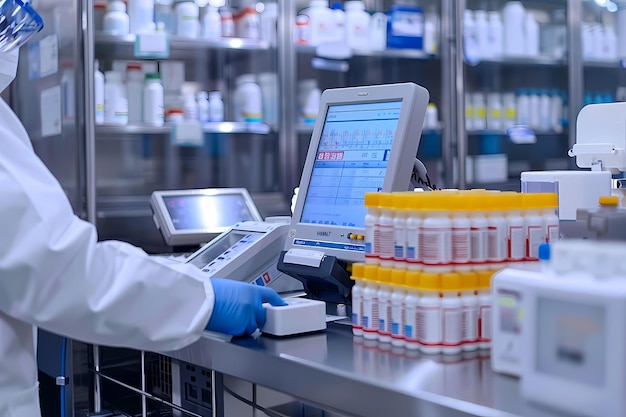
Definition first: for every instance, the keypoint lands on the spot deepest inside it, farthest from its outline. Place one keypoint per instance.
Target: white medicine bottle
(211, 24)
(357, 298)
(216, 107)
(141, 15)
(339, 22)
(134, 87)
(187, 19)
(153, 100)
(115, 101)
(116, 21)
(190, 106)
(371, 227)
(228, 23)
(321, 23)
(357, 25)
(248, 100)
(98, 80)
(203, 106)
(514, 16)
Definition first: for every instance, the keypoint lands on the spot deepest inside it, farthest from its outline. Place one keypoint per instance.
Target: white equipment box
(300, 315)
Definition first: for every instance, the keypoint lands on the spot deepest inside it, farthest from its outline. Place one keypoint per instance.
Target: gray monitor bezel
(398, 176)
(175, 237)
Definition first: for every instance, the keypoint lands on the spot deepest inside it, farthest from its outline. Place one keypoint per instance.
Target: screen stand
(327, 282)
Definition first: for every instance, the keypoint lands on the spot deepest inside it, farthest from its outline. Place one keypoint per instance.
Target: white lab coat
(54, 275)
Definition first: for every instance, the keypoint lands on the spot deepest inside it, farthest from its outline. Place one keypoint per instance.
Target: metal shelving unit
(215, 127)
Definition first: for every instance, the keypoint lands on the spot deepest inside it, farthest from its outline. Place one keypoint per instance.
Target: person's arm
(55, 275)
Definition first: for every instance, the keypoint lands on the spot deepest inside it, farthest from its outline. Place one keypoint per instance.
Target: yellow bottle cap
(435, 201)
(384, 275)
(357, 271)
(548, 200)
(494, 201)
(484, 279)
(531, 201)
(430, 281)
(371, 200)
(470, 281)
(398, 277)
(512, 200)
(385, 200)
(412, 279)
(608, 200)
(370, 272)
(451, 282)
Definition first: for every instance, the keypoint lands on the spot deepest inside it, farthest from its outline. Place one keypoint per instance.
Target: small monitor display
(206, 211)
(217, 247)
(352, 159)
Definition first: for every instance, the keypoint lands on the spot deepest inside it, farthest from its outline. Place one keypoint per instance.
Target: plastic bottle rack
(442, 231)
(435, 313)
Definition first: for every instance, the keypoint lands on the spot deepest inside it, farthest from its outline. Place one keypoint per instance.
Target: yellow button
(360, 237)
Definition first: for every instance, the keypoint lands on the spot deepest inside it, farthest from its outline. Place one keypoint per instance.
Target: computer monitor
(365, 139)
(192, 217)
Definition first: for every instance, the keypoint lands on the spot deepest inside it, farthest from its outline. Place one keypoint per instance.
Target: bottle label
(397, 320)
(461, 245)
(435, 245)
(429, 325)
(535, 237)
(370, 314)
(384, 319)
(452, 325)
(386, 241)
(478, 245)
(516, 242)
(484, 323)
(411, 324)
(470, 323)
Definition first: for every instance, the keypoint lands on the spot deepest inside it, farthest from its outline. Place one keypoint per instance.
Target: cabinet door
(401, 44)
(516, 90)
(46, 96)
(134, 159)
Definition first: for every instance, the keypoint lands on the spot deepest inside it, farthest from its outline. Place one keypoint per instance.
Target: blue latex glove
(238, 306)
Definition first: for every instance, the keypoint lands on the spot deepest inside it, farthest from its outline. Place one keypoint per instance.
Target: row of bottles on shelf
(186, 19)
(444, 231)
(146, 92)
(403, 26)
(540, 109)
(514, 32)
(435, 313)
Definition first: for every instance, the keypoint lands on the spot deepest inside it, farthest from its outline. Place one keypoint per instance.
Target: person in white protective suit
(56, 276)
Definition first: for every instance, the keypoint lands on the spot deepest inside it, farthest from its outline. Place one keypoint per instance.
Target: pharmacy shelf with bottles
(366, 43)
(181, 101)
(516, 90)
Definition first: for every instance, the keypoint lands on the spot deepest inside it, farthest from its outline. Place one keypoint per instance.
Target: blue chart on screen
(351, 160)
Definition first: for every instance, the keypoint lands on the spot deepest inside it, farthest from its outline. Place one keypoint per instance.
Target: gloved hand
(238, 306)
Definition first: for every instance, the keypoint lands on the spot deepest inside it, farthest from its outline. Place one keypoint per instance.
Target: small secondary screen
(352, 159)
(206, 212)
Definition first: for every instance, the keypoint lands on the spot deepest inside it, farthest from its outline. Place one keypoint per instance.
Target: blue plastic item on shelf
(405, 27)
(489, 144)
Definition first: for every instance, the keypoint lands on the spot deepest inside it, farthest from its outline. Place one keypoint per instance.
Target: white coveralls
(55, 275)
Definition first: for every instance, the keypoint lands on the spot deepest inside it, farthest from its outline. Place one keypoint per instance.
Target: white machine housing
(573, 328)
(601, 136)
(247, 252)
(576, 189)
(300, 315)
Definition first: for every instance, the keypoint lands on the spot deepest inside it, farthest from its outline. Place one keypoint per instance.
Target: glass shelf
(503, 132)
(604, 64)
(387, 53)
(521, 60)
(213, 127)
(184, 44)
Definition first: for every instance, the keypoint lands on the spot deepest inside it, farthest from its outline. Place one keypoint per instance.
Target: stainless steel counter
(337, 371)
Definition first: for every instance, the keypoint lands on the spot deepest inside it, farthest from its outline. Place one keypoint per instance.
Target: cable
(250, 403)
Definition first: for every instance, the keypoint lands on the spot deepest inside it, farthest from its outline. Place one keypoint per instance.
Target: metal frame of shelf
(212, 127)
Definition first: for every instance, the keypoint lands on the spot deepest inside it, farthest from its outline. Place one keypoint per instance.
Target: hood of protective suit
(8, 68)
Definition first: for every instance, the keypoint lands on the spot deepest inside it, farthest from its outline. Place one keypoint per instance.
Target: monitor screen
(352, 159)
(202, 211)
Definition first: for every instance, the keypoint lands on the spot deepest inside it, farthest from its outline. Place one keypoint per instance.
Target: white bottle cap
(354, 5)
(116, 6)
(215, 94)
(246, 78)
(318, 3)
(202, 95)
